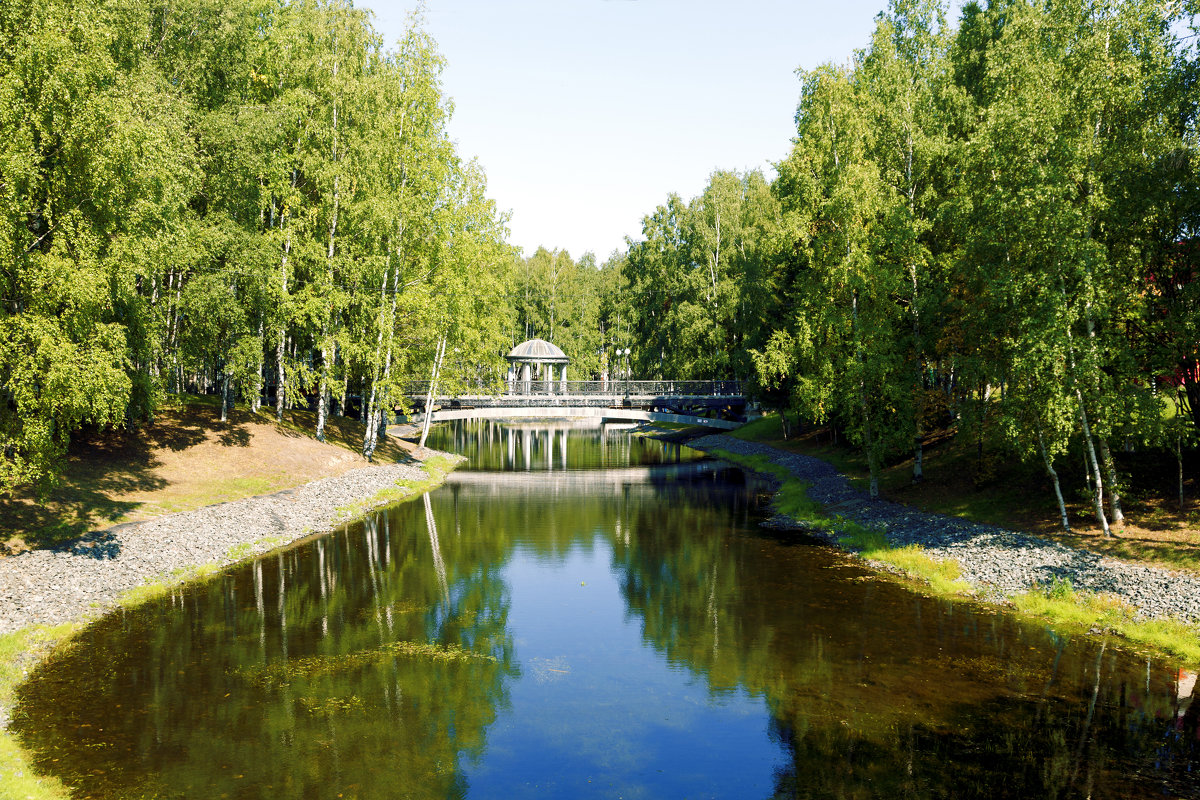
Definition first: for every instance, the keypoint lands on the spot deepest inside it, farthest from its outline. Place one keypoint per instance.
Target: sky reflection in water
(609, 633)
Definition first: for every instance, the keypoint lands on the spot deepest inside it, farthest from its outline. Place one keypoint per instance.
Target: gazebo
(535, 359)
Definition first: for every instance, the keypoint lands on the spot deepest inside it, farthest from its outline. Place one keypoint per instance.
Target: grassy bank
(186, 459)
(436, 468)
(1060, 605)
(190, 440)
(977, 480)
(17, 652)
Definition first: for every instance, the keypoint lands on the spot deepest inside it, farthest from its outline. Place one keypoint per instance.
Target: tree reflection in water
(592, 634)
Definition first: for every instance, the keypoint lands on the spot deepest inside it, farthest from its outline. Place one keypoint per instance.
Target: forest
(985, 222)
(202, 196)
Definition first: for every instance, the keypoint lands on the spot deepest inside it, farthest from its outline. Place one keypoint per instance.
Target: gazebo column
(564, 379)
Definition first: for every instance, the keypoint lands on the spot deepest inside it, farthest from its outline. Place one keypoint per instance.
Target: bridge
(714, 404)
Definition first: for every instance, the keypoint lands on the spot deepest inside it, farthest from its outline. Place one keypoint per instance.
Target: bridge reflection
(555, 446)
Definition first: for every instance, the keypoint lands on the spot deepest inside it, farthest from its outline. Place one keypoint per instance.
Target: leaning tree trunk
(1089, 445)
(1097, 480)
(1062, 506)
(1114, 497)
(437, 371)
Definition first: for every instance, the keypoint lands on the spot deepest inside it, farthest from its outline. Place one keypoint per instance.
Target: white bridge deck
(714, 404)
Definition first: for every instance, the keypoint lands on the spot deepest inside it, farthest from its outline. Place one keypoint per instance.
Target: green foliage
(696, 288)
(276, 198)
(1068, 608)
(987, 227)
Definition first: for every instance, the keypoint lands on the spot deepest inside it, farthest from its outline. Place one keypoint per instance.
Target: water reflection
(616, 633)
(550, 445)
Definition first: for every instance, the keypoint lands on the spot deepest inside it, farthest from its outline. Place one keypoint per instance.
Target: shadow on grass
(100, 465)
(235, 436)
(65, 519)
(345, 432)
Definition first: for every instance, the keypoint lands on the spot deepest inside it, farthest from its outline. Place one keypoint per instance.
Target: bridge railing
(609, 388)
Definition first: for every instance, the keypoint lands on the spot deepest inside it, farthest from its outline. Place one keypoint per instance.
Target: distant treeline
(235, 195)
(991, 223)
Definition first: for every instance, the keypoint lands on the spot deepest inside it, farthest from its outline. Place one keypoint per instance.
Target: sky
(586, 114)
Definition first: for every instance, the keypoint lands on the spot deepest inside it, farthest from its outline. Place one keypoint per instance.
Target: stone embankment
(995, 561)
(47, 587)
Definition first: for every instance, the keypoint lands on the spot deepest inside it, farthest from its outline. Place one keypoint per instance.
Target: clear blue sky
(586, 114)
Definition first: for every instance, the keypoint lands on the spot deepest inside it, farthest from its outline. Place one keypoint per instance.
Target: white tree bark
(1097, 480)
(1062, 506)
(437, 370)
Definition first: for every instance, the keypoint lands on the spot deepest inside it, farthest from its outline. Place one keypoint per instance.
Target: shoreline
(995, 562)
(86, 580)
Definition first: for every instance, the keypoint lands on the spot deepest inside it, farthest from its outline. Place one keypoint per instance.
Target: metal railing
(609, 388)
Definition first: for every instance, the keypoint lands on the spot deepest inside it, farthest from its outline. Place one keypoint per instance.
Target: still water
(584, 614)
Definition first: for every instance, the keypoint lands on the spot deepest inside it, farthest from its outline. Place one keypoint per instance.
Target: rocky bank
(48, 587)
(995, 561)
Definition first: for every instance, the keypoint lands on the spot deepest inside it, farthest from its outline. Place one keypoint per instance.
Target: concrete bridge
(714, 404)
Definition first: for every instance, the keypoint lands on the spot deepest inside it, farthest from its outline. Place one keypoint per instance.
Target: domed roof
(538, 351)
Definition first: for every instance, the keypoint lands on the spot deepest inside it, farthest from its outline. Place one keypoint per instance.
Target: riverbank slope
(66, 571)
(997, 564)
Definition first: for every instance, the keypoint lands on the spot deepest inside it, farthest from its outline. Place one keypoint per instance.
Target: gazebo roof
(537, 351)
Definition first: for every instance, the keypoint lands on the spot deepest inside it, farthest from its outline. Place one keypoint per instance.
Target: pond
(587, 613)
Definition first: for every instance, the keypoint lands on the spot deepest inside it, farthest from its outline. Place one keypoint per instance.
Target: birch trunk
(1179, 462)
(280, 347)
(256, 403)
(225, 394)
(1062, 506)
(1114, 497)
(382, 361)
(1091, 462)
(369, 435)
(1097, 481)
(323, 388)
(437, 370)
(280, 386)
(323, 394)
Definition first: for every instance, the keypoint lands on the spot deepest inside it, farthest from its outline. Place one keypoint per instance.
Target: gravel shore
(995, 561)
(48, 587)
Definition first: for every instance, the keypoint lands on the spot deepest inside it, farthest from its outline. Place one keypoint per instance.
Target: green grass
(436, 468)
(1063, 606)
(1060, 605)
(767, 428)
(18, 778)
(152, 590)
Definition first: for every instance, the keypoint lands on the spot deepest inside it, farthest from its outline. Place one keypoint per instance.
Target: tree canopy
(991, 225)
(244, 197)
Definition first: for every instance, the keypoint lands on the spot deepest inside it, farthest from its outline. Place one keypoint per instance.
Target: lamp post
(626, 353)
